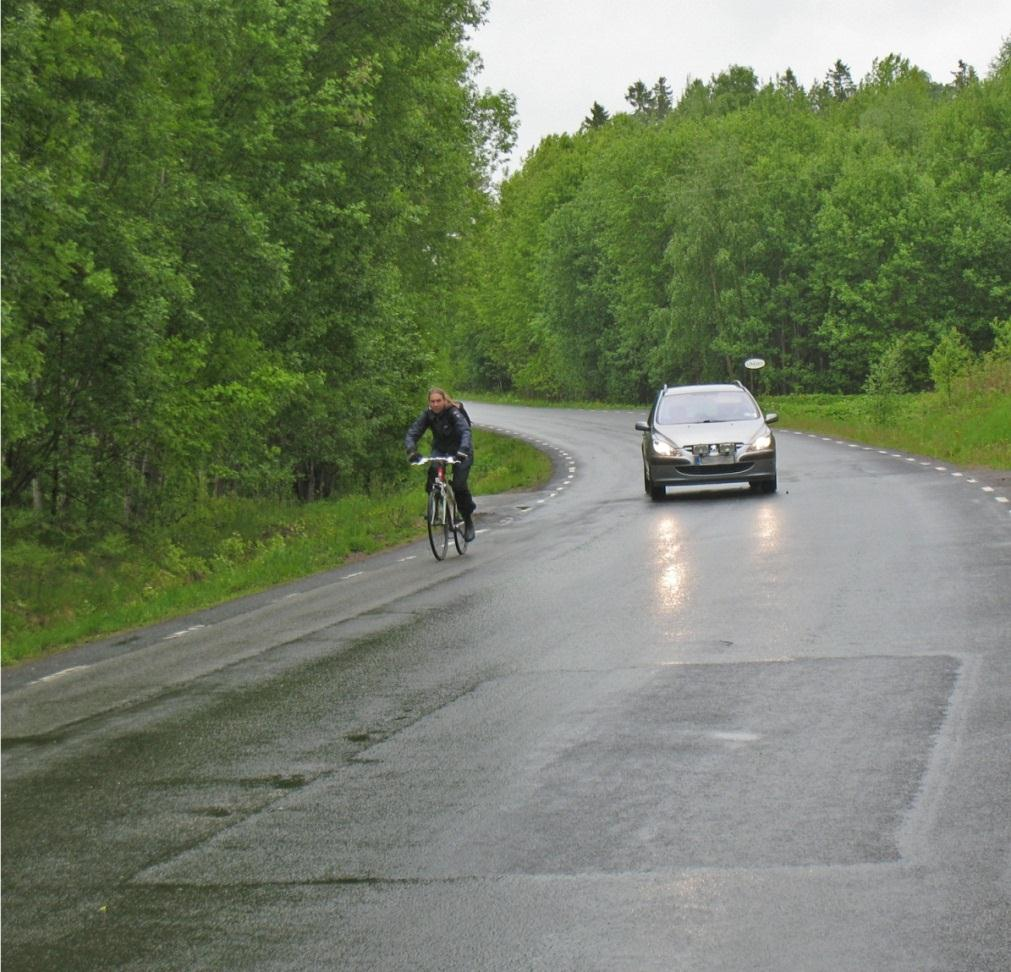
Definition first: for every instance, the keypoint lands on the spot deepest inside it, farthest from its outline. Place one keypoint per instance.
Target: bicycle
(443, 516)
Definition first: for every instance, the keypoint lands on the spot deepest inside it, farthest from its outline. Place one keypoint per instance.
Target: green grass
(57, 595)
(971, 427)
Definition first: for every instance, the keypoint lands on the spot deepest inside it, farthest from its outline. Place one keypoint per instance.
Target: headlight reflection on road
(766, 528)
(671, 568)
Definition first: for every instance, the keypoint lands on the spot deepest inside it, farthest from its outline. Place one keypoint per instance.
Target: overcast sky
(559, 56)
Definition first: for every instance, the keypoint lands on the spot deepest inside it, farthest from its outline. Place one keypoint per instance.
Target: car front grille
(720, 470)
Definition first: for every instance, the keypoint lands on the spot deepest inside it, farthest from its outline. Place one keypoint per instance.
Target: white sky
(559, 56)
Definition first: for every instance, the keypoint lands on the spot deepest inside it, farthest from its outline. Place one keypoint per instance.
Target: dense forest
(228, 227)
(240, 237)
(834, 232)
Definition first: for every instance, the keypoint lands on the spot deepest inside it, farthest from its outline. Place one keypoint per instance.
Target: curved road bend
(721, 731)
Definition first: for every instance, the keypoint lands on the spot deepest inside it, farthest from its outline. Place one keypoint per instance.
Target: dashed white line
(898, 455)
(184, 631)
(59, 674)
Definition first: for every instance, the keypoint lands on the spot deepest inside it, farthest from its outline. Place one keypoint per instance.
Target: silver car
(702, 434)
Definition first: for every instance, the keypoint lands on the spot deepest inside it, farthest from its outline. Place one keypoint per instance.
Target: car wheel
(654, 492)
(763, 485)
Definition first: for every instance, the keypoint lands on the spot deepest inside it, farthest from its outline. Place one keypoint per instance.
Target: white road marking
(59, 674)
(184, 631)
(898, 455)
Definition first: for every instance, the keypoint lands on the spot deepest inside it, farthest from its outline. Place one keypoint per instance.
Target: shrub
(886, 382)
(951, 358)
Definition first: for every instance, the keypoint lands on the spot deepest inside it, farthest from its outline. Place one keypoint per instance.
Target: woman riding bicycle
(450, 437)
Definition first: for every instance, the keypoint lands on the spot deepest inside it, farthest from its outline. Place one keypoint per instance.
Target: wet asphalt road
(722, 731)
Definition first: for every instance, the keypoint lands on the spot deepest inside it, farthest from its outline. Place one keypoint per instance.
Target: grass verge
(60, 595)
(968, 431)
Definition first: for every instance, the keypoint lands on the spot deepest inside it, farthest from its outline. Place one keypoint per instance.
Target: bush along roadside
(63, 590)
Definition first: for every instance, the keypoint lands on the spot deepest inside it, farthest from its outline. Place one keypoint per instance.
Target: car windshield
(707, 406)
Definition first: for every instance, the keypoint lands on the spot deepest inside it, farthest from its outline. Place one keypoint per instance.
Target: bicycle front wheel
(458, 528)
(438, 524)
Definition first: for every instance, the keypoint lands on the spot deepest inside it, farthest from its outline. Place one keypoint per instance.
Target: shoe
(468, 529)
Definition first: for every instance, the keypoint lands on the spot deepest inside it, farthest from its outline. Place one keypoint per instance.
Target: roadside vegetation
(64, 590)
(965, 420)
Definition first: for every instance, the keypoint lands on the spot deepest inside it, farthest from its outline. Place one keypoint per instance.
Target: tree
(225, 224)
(839, 82)
(663, 98)
(641, 98)
(837, 234)
(597, 118)
(964, 76)
(950, 359)
(733, 89)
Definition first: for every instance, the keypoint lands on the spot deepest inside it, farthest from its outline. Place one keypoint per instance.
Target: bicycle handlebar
(448, 460)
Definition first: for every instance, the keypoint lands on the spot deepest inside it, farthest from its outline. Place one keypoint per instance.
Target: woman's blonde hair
(442, 391)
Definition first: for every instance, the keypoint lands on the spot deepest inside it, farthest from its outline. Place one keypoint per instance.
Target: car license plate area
(717, 454)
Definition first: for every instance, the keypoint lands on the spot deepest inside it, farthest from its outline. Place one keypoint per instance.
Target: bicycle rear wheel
(438, 524)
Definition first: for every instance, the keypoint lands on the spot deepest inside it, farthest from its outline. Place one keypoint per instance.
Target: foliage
(949, 359)
(227, 228)
(969, 428)
(886, 382)
(837, 232)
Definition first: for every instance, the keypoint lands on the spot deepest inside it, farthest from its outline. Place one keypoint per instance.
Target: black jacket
(450, 432)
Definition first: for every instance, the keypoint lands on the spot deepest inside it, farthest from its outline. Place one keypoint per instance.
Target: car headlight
(761, 442)
(663, 446)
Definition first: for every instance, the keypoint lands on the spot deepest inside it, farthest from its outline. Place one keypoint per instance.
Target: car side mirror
(642, 426)
(771, 417)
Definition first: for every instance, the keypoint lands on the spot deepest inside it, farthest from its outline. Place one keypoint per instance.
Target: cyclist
(450, 437)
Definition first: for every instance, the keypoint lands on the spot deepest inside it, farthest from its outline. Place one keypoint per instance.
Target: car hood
(706, 433)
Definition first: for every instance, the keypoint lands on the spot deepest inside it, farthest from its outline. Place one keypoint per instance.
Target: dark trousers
(461, 471)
